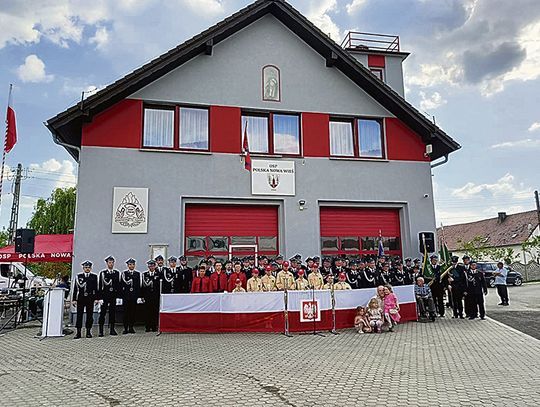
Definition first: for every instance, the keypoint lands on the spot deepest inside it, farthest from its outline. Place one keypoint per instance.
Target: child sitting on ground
(391, 308)
(374, 313)
(361, 322)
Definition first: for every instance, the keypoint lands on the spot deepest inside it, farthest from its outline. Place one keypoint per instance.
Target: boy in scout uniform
(342, 284)
(329, 282)
(301, 283)
(268, 280)
(238, 287)
(315, 278)
(85, 291)
(285, 278)
(254, 284)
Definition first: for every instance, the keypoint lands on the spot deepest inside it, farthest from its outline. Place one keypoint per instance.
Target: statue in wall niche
(271, 83)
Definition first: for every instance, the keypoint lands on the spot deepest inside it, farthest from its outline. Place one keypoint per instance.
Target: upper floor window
(191, 133)
(356, 138)
(272, 133)
(378, 72)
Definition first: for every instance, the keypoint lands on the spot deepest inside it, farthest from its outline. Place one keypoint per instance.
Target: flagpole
(4, 152)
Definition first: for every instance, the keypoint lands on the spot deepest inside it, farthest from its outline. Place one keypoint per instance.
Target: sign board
(310, 310)
(273, 177)
(130, 210)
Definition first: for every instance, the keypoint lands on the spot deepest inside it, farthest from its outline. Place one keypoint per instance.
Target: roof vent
(501, 216)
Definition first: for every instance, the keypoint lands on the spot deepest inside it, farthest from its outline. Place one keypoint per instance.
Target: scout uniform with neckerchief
(254, 284)
(315, 278)
(342, 284)
(238, 288)
(268, 280)
(285, 278)
(301, 283)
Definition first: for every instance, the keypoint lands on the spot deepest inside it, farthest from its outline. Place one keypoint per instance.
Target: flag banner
(264, 311)
(245, 147)
(11, 125)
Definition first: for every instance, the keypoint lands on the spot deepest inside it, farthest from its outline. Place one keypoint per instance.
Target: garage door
(212, 229)
(356, 231)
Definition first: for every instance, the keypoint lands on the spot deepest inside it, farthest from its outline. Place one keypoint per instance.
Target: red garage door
(211, 229)
(355, 231)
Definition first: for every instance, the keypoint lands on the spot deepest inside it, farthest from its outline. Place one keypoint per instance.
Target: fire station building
(338, 156)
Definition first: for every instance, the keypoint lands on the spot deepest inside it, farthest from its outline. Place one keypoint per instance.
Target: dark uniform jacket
(368, 279)
(459, 276)
(476, 283)
(397, 277)
(353, 278)
(109, 285)
(168, 284)
(150, 287)
(130, 281)
(85, 288)
(184, 276)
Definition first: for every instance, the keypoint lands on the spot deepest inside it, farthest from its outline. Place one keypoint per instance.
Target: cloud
(534, 127)
(431, 102)
(100, 38)
(205, 8)
(354, 6)
(506, 186)
(319, 13)
(33, 70)
(61, 173)
(526, 143)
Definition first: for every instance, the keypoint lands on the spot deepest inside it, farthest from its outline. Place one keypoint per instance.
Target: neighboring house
(339, 157)
(504, 232)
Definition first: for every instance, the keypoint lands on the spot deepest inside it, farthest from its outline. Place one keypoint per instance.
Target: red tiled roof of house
(513, 230)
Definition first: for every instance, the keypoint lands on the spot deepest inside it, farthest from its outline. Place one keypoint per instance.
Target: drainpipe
(440, 162)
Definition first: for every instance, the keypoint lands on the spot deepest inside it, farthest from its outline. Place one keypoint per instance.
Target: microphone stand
(332, 293)
(315, 313)
(285, 294)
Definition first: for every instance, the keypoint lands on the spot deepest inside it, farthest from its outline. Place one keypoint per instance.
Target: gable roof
(513, 230)
(66, 127)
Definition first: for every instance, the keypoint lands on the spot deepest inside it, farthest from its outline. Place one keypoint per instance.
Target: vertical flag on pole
(11, 127)
(381, 247)
(245, 148)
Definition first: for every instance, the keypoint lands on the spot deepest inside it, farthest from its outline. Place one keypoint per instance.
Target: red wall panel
(231, 220)
(316, 134)
(225, 129)
(403, 143)
(340, 221)
(118, 126)
(376, 61)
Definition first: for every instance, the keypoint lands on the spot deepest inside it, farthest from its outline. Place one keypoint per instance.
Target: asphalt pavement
(523, 313)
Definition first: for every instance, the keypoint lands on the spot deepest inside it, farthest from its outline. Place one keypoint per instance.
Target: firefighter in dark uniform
(383, 276)
(159, 263)
(368, 275)
(398, 275)
(85, 291)
(150, 290)
(130, 281)
(108, 292)
(476, 289)
(353, 275)
(457, 284)
(184, 276)
(169, 284)
(437, 284)
(326, 267)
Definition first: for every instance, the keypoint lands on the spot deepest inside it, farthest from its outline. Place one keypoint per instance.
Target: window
(378, 72)
(272, 133)
(360, 138)
(158, 128)
(369, 138)
(341, 138)
(193, 128)
(360, 246)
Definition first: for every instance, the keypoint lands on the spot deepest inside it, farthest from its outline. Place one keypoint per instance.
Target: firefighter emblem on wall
(130, 210)
(273, 181)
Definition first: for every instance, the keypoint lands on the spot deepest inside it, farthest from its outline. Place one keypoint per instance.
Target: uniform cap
(158, 257)
(86, 264)
(455, 259)
(417, 260)
(268, 268)
(301, 272)
(182, 258)
(466, 257)
(298, 256)
(315, 265)
(342, 276)
(434, 256)
(238, 281)
(285, 264)
(326, 260)
(279, 257)
(151, 262)
(408, 259)
(110, 258)
(130, 261)
(255, 271)
(172, 258)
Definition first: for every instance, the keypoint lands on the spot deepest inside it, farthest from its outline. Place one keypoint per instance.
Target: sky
(474, 67)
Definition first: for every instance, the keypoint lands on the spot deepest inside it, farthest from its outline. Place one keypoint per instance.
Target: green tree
(4, 237)
(478, 249)
(532, 247)
(55, 215)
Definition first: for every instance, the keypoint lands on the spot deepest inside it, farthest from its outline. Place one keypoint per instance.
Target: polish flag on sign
(245, 148)
(11, 126)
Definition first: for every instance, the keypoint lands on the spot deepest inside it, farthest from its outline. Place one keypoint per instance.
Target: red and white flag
(245, 148)
(11, 125)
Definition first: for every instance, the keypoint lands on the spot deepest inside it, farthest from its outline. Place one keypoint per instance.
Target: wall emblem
(130, 210)
(310, 311)
(271, 83)
(273, 180)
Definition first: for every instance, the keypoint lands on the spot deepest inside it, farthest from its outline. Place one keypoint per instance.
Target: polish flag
(245, 148)
(11, 126)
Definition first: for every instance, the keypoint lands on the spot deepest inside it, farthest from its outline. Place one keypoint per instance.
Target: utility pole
(15, 206)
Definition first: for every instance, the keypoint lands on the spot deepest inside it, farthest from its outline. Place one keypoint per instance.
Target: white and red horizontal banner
(265, 312)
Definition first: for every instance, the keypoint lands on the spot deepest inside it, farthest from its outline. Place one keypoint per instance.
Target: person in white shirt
(500, 282)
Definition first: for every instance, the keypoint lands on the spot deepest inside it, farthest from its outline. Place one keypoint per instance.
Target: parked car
(513, 277)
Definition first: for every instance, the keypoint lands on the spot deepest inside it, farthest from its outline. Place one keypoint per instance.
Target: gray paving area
(446, 363)
(524, 310)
